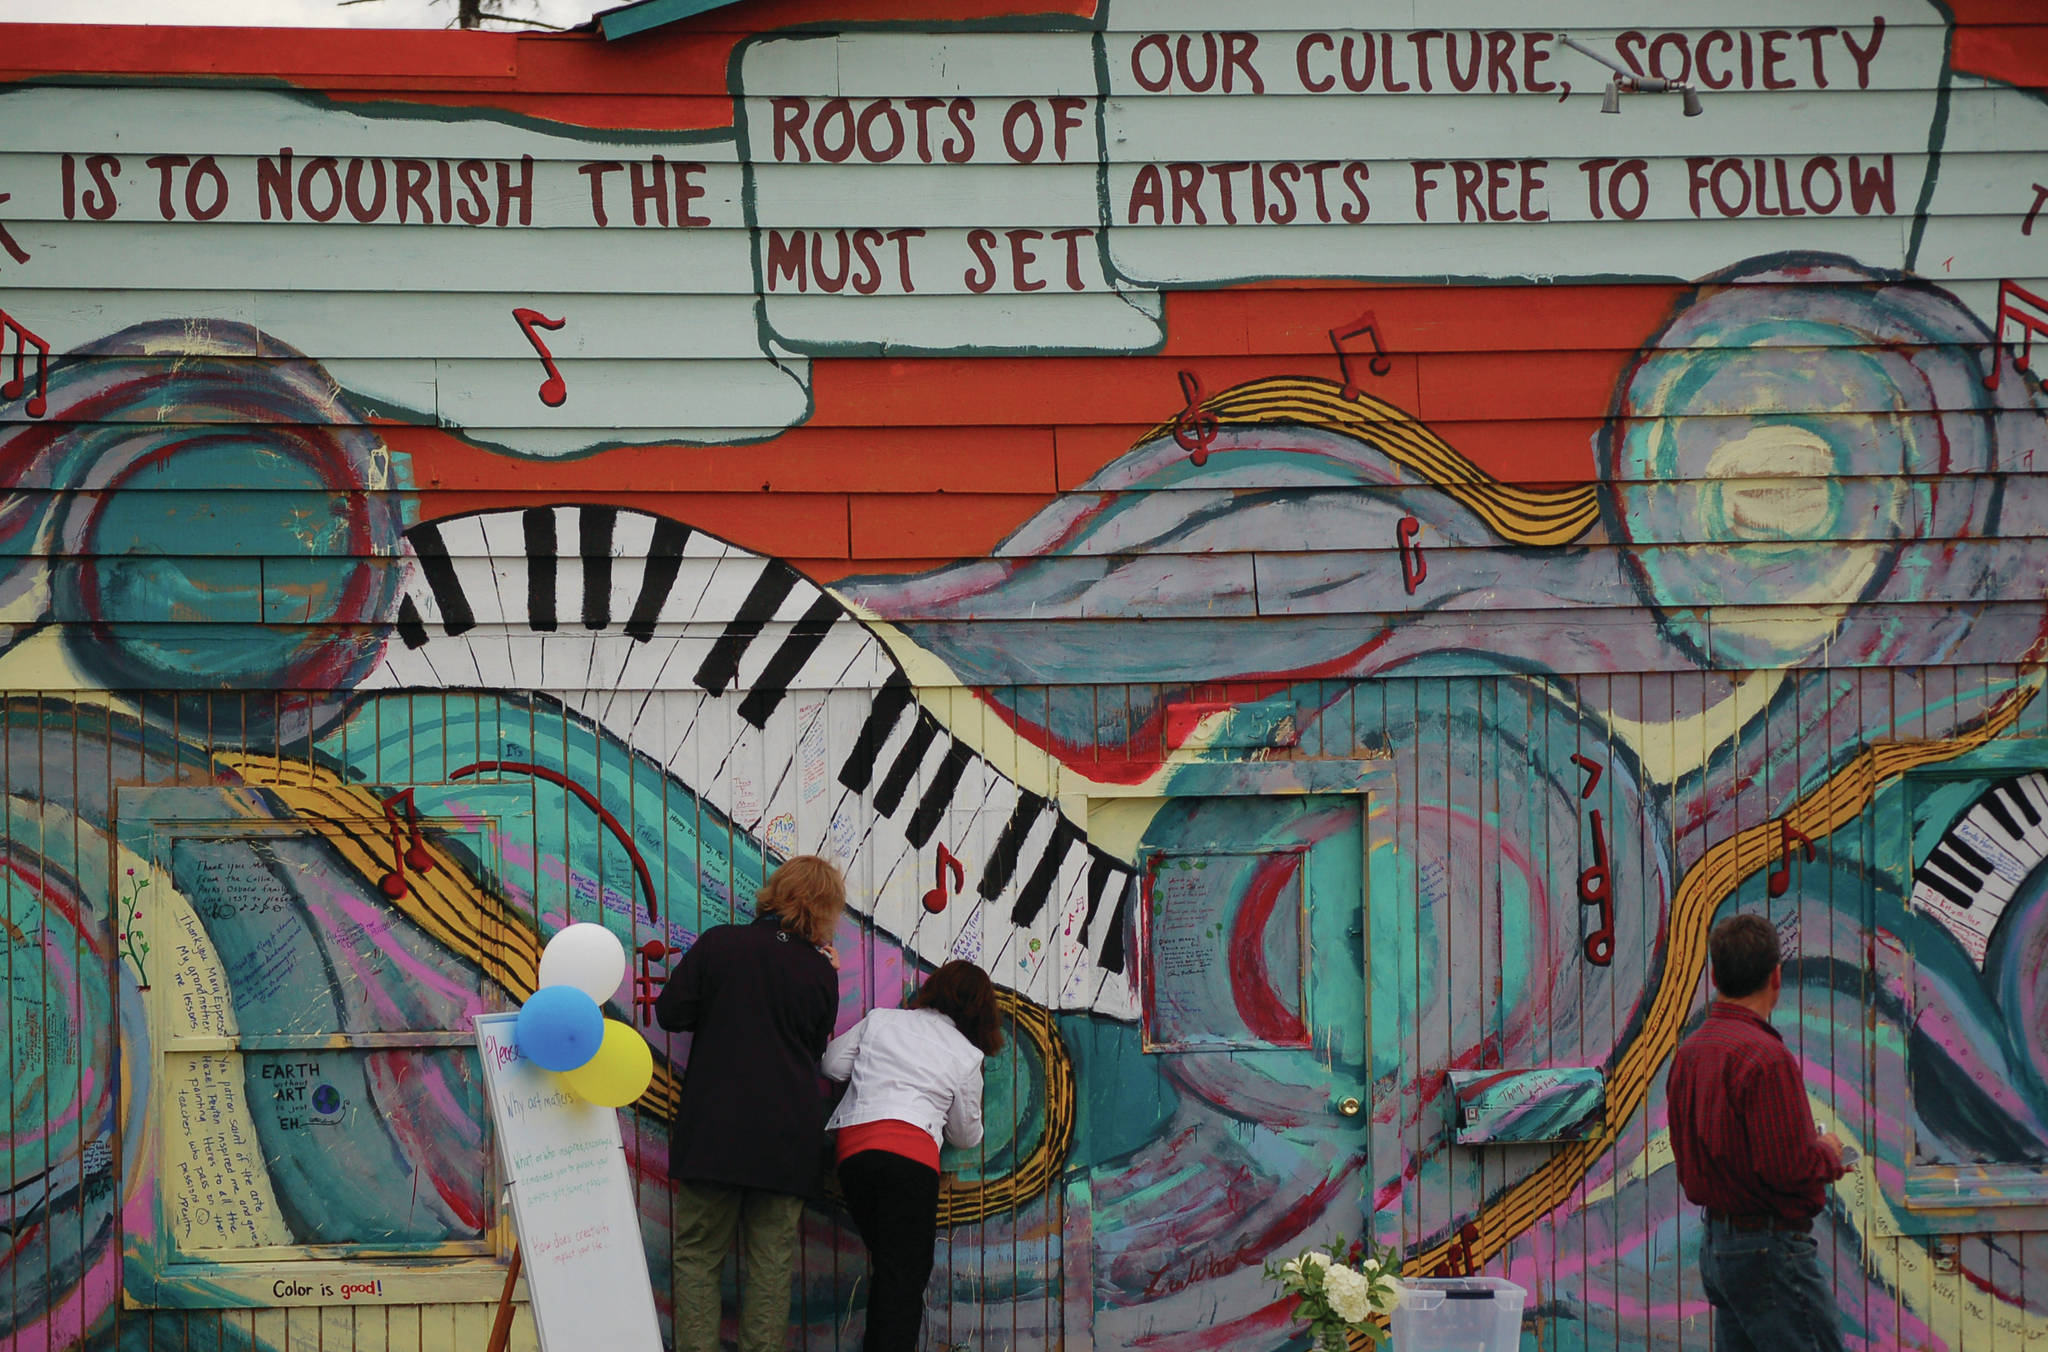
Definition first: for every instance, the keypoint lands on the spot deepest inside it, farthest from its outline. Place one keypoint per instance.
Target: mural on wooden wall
(1293, 755)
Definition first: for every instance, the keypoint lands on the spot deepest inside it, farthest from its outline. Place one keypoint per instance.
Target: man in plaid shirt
(1750, 1155)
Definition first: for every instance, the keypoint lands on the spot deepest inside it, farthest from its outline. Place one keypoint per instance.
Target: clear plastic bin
(1459, 1314)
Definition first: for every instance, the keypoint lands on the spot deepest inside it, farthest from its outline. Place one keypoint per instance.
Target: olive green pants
(706, 1218)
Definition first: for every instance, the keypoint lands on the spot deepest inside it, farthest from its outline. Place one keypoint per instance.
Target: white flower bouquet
(1341, 1291)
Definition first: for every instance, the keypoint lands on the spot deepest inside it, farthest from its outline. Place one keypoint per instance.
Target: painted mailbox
(1318, 556)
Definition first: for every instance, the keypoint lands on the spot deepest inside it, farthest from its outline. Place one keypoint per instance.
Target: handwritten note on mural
(237, 888)
(1196, 904)
(215, 1190)
(195, 990)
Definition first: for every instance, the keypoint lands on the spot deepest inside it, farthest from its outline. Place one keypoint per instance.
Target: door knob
(1349, 1105)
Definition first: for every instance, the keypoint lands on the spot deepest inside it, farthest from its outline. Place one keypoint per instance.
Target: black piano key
(889, 796)
(775, 678)
(594, 542)
(410, 627)
(769, 591)
(1038, 890)
(664, 562)
(2006, 821)
(890, 702)
(1100, 867)
(538, 526)
(1944, 886)
(1002, 860)
(2011, 790)
(1119, 920)
(938, 794)
(432, 552)
(1949, 865)
(1977, 862)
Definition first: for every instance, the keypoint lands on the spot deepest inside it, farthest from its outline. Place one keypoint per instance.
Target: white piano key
(632, 536)
(2035, 788)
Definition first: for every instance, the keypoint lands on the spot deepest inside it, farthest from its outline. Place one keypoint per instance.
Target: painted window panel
(1199, 906)
(262, 1133)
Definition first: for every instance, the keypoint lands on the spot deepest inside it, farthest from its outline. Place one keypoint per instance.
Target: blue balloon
(559, 1028)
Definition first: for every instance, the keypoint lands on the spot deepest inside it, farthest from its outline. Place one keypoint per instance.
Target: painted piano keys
(780, 708)
(1972, 875)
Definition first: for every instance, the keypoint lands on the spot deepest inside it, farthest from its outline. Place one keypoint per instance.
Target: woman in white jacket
(915, 1083)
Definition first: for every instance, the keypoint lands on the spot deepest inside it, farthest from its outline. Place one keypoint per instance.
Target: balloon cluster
(562, 1027)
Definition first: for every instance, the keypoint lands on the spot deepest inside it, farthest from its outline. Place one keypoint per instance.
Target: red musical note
(1596, 888)
(936, 899)
(1587, 763)
(1192, 428)
(39, 402)
(1414, 568)
(1458, 1260)
(1365, 326)
(413, 855)
(1780, 879)
(645, 983)
(554, 391)
(14, 251)
(2010, 295)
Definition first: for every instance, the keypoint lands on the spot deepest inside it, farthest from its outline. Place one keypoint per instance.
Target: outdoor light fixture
(1625, 82)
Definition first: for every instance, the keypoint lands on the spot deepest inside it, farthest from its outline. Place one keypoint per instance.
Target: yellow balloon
(619, 1073)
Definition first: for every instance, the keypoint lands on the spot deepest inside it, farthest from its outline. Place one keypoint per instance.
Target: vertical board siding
(1042, 513)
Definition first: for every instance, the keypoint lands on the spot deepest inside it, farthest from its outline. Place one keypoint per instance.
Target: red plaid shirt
(1741, 1128)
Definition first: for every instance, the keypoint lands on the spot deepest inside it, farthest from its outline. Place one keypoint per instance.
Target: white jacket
(914, 1066)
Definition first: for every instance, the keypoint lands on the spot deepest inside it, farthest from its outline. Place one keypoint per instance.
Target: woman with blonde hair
(747, 1142)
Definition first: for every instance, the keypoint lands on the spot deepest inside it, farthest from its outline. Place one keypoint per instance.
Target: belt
(1756, 1223)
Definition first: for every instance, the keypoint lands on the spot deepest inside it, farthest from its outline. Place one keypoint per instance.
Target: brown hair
(808, 894)
(1745, 952)
(961, 991)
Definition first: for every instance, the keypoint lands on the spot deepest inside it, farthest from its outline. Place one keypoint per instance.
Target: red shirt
(898, 1138)
(1741, 1128)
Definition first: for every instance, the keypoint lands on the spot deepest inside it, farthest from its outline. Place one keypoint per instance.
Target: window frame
(160, 1272)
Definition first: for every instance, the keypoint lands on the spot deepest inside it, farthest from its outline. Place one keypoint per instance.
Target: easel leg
(501, 1327)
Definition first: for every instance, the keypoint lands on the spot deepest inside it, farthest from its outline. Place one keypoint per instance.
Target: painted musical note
(1596, 888)
(1414, 568)
(2011, 295)
(1193, 428)
(936, 899)
(2026, 226)
(1458, 1259)
(554, 391)
(14, 251)
(647, 983)
(1592, 767)
(1365, 326)
(1780, 880)
(13, 330)
(412, 855)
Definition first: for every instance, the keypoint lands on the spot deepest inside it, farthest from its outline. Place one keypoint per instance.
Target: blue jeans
(1768, 1292)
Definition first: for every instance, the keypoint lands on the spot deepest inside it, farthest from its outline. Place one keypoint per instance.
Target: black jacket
(761, 1003)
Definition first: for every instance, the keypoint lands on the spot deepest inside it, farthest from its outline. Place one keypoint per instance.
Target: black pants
(895, 1206)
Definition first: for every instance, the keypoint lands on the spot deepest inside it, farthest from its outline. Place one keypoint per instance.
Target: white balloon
(588, 957)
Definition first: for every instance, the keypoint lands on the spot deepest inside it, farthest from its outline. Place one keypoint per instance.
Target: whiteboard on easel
(572, 1204)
